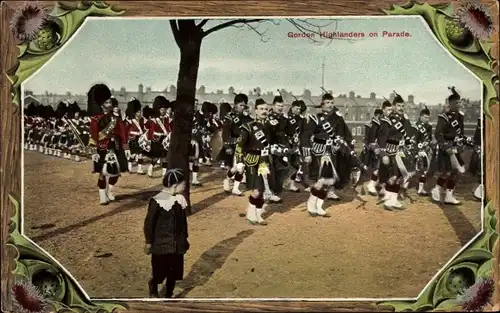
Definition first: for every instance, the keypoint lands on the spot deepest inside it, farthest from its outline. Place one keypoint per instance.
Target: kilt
(325, 170)
(390, 170)
(369, 158)
(344, 164)
(85, 139)
(169, 266)
(228, 159)
(133, 146)
(114, 170)
(444, 162)
(157, 150)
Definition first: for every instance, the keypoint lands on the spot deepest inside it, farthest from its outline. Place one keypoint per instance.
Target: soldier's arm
(372, 134)
(383, 134)
(226, 129)
(94, 130)
(307, 131)
(242, 141)
(440, 128)
(123, 130)
(150, 221)
(150, 127)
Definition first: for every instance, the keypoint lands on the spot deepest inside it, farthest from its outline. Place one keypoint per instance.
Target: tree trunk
(189, 41)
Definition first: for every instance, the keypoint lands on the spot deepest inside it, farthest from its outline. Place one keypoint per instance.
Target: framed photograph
(250, 156)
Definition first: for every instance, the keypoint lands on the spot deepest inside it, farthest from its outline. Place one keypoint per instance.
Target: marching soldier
(224, 109)
(392, 141)
(475, 165)
(135, 129)
(159, 128)
(324, 128)
(82, 123)
(108, 136)
(423, 140)
(371, 149)
(230, 135)
(450, 137)
(253, 153)
(295, 129)
(280, 163)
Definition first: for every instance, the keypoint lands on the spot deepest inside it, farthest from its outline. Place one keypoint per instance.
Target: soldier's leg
(256, 199)
(194, 167)
(450, 188)
(140, 162)
(111, 185)
(164, 166)
(130, 162)
(238, 177)
(422, 181)
(151, 166)
(228, 160)
(440, 186)
(371, 185)
(101, 184)
(392, 188)
(294, 178)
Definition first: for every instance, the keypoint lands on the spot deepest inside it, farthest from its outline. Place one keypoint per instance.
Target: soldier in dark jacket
(370, 153)
(450, 137)
(166, 233)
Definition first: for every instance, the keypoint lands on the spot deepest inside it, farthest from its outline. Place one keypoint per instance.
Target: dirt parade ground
(360, 252)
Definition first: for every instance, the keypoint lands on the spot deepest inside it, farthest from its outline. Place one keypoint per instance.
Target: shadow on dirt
(137, 198)
(210, 261)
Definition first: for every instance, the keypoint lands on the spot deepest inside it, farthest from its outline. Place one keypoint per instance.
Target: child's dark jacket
(165, 226)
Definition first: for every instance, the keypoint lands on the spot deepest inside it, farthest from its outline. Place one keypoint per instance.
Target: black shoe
(153, 289)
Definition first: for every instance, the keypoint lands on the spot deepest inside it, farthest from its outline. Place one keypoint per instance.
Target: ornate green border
(476, 261)
(472, 263)
(31, 264)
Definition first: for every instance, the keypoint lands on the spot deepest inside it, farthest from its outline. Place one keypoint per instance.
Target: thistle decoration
(476, 18)
(28, 20)
(27, 298)
(478, 296)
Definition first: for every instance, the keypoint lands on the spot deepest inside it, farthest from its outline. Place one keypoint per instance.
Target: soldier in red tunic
(159, 127)
(135, 129)
(108, 135)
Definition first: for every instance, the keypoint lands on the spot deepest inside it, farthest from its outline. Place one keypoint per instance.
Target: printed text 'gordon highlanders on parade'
(349, 35)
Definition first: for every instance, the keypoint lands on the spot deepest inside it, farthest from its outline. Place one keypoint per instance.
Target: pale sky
(126, 52)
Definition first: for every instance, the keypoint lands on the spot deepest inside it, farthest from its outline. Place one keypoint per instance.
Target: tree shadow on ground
(139, 198)
(210, 261)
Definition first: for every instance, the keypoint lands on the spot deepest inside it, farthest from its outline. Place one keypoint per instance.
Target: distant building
(356, 109)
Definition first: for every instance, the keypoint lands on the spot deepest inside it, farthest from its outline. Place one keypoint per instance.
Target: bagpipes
(76, 133)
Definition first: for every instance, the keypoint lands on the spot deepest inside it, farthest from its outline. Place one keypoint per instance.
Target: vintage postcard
(263, 158)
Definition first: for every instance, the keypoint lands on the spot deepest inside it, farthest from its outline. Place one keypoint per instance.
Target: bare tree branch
(229, 23)
(202, 23)
(175, 31)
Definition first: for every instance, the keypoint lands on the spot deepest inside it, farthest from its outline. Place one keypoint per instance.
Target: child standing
(166, 233)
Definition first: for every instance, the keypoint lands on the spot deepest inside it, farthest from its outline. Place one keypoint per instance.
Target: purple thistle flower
(28, 20)
(27, 298)
(476, 17)
(477, 296)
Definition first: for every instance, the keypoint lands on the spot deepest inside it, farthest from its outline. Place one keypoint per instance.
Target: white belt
(159, 134)
(135, 133)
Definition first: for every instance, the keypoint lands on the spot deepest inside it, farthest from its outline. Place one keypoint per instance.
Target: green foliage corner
(475, 54)
(63, 22)
(475, 261)
(59, 290)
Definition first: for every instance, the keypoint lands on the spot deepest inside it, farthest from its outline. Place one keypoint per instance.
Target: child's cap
(173, 177)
